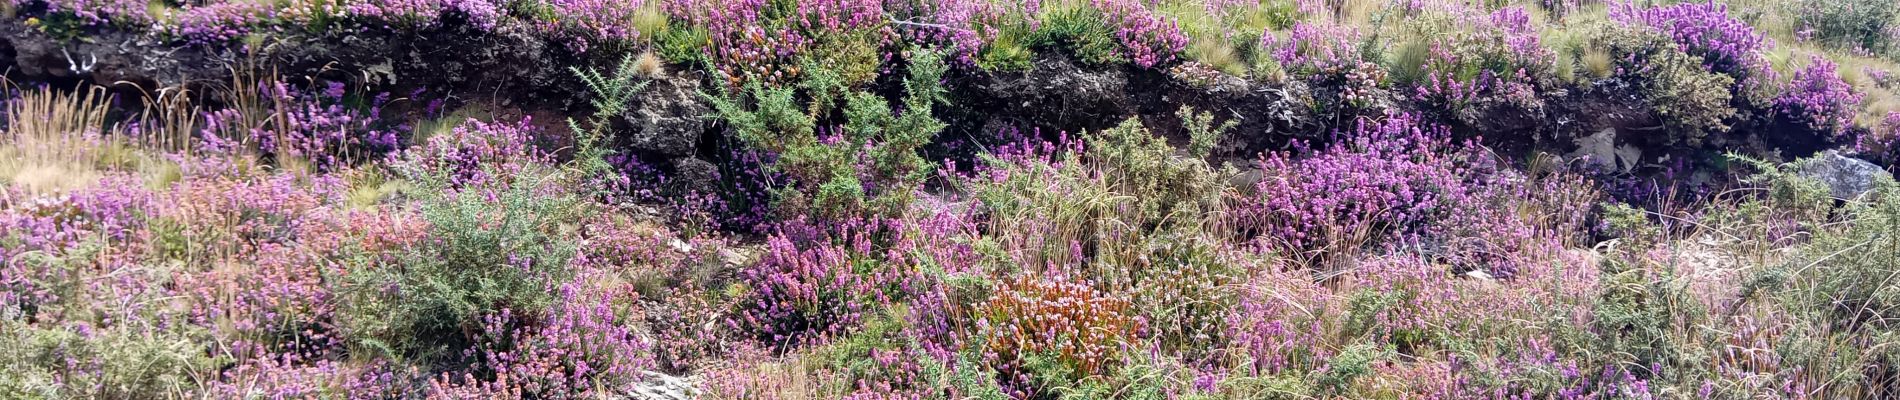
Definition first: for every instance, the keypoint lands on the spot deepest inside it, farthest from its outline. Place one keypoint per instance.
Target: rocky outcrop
(669, 118)
(658, 386)
(1845, 177)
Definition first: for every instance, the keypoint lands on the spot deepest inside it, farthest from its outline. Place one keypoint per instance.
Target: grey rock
(659, 386)
(1845, 177)
(695, 174)
(1601, 150)
(669, 118)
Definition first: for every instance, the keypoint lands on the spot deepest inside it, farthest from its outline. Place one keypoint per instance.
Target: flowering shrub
(1691, 100)
(584, 22)
(1879, 143)
(962, 28)
(1315, 49)
(319, 127)
(1705, 30)
(1388, 178)
(1032, 321)
(71, 17)
(1278, 323)
(1818, 99)
(393, 15)
(1861, 27)
(583, 346)
(1149, 39)
(294, 246)
(806, 295)
(1329, 55)
(219, 23)
(1494, 60)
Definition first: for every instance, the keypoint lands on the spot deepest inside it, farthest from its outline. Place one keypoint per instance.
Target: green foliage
(1862, 25)
(1853, 268)
(1350, 364)
(969, 378)
(828, 179)
(81, 362)
(1406, 66)
(1363, 309)
(1203, 135)
(1644, 318)
(1630, 224)
(1140, 163)
(1007, 52)
(612, 96)
(612, 92)
(490, 249)
(1691, 100)
(683, 45)
(1080, 30)
(1272, 387)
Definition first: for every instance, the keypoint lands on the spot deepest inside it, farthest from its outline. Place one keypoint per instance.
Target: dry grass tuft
(57, 141)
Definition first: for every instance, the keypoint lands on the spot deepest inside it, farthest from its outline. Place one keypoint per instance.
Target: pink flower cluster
(585, 21)
(1819, 99)
(1387, 179)
(807, 293)
(1150, 39)
(1315, 49)
(218, 23)
(1726, 44)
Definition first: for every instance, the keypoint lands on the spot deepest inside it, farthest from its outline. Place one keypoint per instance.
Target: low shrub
(1044, 333)
(1385, 182)
(1818, 99)
(1859, 26)
(495, 241)
(867, 163)
(1692, 101)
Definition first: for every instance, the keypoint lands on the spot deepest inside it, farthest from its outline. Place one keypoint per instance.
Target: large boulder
(669, 118)
(1845, 177)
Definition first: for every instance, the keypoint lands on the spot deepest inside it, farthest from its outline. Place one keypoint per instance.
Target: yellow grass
(57, 141)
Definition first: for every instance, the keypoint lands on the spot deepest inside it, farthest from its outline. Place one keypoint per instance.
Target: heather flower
(1310, 49)
(219, 23)
(477, 152)
(1726, 45)
(1387, 178)
(806, 293)
(92, 13)
(1149, 38)
(960, 26)
(584, 21)
(1880, 141)
(1278, 322)
(1819, 99)
(586, 343)
(319, 127)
